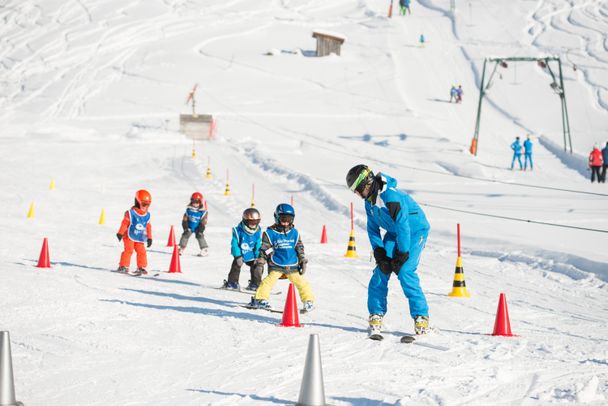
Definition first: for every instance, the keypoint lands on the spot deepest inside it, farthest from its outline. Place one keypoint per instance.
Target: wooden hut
(328, 43)
(197, 126)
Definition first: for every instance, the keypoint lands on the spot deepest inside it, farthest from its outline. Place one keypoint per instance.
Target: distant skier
(528, 153)
(516, 147)
(404, 6)
(459, 93)
(453, 93)
(194, 221)
(596, 161)
(406, 230)
(605, 159)
(134, 231)
(422, 40)
(245, 248)
(283, 251)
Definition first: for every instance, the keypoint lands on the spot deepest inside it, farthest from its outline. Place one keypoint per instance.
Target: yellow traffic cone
(459, 288)
(193, 153)
(209, 175)
(102, 217)
(30, 212)
(52, 185)
(351, 251)
(227, 191)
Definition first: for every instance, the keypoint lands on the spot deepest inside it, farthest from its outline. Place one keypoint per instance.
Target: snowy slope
(90, 94)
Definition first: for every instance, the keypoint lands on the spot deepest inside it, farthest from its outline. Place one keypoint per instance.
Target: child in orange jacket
(135, 230)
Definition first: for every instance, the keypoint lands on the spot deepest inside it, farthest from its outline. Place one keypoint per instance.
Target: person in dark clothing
(605, 165)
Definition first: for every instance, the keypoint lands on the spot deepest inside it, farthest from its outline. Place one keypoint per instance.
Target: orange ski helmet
(143, 198)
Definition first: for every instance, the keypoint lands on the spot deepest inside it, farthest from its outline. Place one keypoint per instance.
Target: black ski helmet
(358, 176)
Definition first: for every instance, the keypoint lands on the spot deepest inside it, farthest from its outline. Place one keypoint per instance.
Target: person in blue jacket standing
(528, 153)
(605, 164)
(406, 230)
(245, 248)
(516, 147)
(194, 221)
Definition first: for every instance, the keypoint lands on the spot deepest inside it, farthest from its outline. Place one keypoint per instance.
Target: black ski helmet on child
(358, 176)
(284, 209)
(251, 218)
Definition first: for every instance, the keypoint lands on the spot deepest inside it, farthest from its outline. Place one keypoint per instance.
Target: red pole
(291, 200)
(352, 217)
(458, 233)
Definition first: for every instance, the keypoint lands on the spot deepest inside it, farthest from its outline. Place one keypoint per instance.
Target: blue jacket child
(245, 248)
(194, 221)
(406, 230)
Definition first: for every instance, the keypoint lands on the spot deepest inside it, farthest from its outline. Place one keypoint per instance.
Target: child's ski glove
(149, 242)
(383, 262)
(119, 236)
(302, 266)
(399, 258)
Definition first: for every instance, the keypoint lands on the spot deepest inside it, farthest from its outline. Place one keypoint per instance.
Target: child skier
(134, 231)
(283, 250)
(194, 221)
(245, 248)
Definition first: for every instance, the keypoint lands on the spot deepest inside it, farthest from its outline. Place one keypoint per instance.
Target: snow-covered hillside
(90, 93)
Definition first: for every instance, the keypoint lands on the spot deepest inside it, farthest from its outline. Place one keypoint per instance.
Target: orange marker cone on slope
(171, 241)
(175, 266)
(44, 261)
(324, 235)
(502, 325)
(291, 314)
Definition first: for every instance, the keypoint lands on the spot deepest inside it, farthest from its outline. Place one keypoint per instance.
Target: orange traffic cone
(324, 235)
(175, 266)
(44, 260)
(291, 314)
(171, 241)
(502, 325)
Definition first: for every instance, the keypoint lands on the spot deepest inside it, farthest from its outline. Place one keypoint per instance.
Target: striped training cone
(209, 175)
(227, 191)
(351, 251)
(459, 287)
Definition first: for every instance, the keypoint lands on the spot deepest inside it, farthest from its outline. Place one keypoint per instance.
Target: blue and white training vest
(248, 244)
(194, 217)
(137, 228)
(284, 247)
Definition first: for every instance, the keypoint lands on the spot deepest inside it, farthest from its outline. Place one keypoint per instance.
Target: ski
(262, 308)
(245, 291)
(407, 339)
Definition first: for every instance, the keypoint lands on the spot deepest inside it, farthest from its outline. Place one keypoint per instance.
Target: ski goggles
(144, 204)
(251, 223)
(195, 201)
(286, 218)
(359, 184)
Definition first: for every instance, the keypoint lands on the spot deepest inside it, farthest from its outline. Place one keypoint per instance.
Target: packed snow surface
(90, 94)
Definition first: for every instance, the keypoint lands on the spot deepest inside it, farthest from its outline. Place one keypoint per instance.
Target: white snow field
(90, 93)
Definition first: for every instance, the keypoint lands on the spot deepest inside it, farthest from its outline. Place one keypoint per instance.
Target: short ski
(407, 339)
(268, 309)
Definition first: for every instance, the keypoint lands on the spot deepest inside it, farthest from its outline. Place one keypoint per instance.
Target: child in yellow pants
(283, 251)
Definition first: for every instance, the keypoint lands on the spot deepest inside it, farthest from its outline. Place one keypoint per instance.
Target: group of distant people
(456, 94)
(598, 163)
(517, 150)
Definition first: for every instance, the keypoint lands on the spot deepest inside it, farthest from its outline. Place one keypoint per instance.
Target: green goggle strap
(360, 179)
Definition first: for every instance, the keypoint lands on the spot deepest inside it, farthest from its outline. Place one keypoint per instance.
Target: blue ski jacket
(396, 213)
(516, 147)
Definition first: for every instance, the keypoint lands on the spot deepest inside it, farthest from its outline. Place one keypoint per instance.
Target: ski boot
(421, 325)
(231, 285)
(375, 327)
(122, 269)
(180, 249)
(308, 306)
(142, 271)
(252, 286)
(204, 252)
(258, 303)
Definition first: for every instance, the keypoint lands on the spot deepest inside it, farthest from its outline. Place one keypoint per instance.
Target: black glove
(302, 266)
(119, 236)
(149, 242)
(383, 262)
(399, 258)
(239, 261)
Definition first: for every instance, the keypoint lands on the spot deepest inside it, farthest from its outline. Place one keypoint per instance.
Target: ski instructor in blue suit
(406, 229)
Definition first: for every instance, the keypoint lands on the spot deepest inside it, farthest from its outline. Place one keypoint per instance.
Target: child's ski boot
(231, 285)
(421, 325)
(375, 327)
(308, 306)
(258, 303)
(252, 286)
(204, 252)
(122, 269)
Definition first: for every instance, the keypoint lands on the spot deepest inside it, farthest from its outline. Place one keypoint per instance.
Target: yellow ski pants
(298, 280)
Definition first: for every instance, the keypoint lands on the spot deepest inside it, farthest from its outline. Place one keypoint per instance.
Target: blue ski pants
(528, 157)
(377, 290)
(518, 157)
